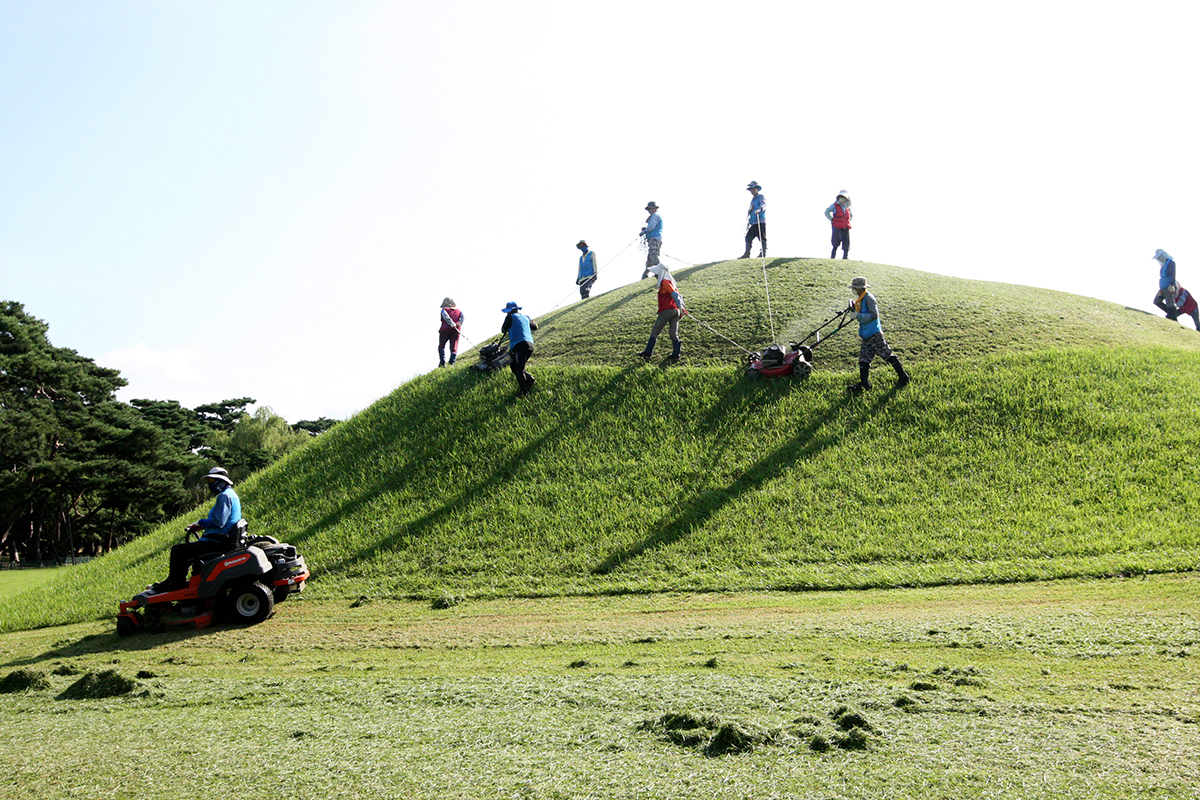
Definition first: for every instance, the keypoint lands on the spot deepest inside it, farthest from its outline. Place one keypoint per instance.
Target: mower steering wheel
(189, 533)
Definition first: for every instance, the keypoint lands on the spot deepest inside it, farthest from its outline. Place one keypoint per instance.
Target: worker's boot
(747, 253)
(649, 351)
(900, 373)
(864, 378)
(453, 356)
(676, 347)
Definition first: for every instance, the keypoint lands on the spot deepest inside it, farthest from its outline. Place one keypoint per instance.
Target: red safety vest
(841, 217)
(665, 301)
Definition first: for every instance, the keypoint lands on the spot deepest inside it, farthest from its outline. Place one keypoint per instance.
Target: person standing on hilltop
(869, 330)
(839, 215)
(520, 345)
(452, 320)
(756, 226)
(587, 270)
(652, 233)
(670, 310)
(1165, 299)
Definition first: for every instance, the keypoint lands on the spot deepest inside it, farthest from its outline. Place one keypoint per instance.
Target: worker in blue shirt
(652, 233)
(218, 531)
(587, 270)
(756, 226)
(520, 330)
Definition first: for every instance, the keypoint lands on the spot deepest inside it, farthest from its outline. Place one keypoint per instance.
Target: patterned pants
(653, 246)
(874, 346)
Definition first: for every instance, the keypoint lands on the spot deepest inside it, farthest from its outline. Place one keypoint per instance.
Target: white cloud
(174, 374)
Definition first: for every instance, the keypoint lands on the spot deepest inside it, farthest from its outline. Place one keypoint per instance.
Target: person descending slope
(670, 310)
(756, 225)
(873, 344)
(587, 270)
(1165, 299)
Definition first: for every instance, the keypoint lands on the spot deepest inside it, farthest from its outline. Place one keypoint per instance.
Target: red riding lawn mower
(243, 584)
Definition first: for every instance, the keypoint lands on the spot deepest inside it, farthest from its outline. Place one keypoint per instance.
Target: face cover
(216, 487)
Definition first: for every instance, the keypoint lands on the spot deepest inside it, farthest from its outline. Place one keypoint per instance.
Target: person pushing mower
(873, 344)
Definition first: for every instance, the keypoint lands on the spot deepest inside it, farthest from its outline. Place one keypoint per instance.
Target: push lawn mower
(244, 584)
(774, 362)
(492, 357)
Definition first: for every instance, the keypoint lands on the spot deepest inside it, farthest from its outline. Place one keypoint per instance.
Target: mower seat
(237, 541)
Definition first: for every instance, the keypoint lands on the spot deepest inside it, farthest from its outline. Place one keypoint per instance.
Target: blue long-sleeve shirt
(225, 514)
(758, 209)
(653, 229)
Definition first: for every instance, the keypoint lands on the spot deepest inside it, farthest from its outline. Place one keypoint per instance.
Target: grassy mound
(926, 317)
(1035, 447)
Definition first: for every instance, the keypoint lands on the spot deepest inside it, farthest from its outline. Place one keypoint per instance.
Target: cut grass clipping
(99, 685)
(24, 680)
(716, 737)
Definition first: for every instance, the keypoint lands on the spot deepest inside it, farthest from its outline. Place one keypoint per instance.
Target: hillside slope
(1031, 450)
(925, 316)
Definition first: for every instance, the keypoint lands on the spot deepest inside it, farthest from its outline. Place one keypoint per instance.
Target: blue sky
(270, 199)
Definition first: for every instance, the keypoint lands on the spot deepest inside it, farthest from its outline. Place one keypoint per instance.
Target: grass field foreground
(1039, 690)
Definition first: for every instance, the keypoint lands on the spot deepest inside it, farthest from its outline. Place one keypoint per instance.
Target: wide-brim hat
(218, 474)
(845, 194)
(1161, 255)
(859, 283)
(753, 185)
(581, 243)
(652, 206)
(511, 307)
(448, 302)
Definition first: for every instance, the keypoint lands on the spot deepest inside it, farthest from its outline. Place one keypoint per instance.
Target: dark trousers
(182, 556)
(841, 236)
(759, 231)
(520, 354)
(585, 288)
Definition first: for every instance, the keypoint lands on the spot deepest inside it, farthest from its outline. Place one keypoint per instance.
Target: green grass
(1044, 436)
(926, 317)
(1036, 690)
(15, 581)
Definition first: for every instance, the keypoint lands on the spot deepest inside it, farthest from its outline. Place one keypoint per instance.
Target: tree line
(81, 472)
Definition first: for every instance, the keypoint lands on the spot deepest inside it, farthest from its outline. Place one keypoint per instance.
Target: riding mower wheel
(126, 626)
(251, 603)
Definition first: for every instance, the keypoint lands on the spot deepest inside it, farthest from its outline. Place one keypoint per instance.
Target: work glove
(195, 526)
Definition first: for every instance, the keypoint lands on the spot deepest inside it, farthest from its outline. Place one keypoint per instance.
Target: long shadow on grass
(480, 490)
(808, 442)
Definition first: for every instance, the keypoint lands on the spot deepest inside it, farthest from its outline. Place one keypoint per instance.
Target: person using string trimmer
(652, 233)
(587, 270)
(670, 311)
(866, 311)
(756, 225)
(452, 320)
